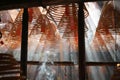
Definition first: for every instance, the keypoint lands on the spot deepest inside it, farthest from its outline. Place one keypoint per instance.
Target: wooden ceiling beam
(14, 4)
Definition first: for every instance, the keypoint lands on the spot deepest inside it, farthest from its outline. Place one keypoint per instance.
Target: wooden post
(81, 42)
(24, 43)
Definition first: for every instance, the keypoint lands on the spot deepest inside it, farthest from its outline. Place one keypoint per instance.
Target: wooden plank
(72, 64)
(10, 65)
(102, 63)
(6, 68)
(49, 63)
(10, 72)
(5, 62)
(7, 58)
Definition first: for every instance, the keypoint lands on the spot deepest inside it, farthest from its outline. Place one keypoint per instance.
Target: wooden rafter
(13, 4)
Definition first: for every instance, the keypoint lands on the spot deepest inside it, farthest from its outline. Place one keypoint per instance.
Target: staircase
(9, 68)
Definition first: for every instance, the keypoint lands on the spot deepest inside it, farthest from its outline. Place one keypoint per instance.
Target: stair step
(5, 54)
(6, 58)
(12, 78)
(2, 65)
(3, 62)
(6, 68)
(9, 68)
(9, 72)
